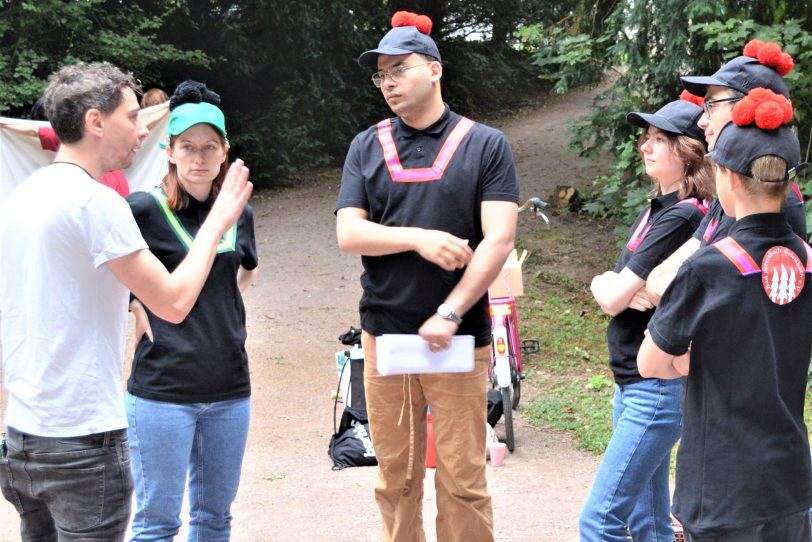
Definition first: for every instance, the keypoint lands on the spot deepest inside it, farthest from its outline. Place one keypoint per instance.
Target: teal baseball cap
(187, 115)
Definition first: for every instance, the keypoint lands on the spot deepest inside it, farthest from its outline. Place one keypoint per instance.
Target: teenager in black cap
(735, 320)
(631, 487)
(429, 200)
(762, 65)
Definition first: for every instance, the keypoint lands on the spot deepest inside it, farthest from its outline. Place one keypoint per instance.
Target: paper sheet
(410, 354)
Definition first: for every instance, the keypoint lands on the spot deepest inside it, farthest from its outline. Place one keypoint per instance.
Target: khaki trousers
(397, 418)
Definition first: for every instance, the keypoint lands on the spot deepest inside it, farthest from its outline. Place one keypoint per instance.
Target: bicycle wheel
(508, 415)
(516, 380)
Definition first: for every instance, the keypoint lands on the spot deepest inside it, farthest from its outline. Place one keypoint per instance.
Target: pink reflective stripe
(418, 175)
(711, 227)
(797, 190)
(808, 257)
(640, 233)
(736, 254)
(701, 205)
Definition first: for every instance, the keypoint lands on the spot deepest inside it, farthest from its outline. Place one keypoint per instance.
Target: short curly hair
(77, 88)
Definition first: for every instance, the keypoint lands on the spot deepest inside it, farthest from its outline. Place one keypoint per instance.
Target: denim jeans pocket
(79, 491)
(7, 485)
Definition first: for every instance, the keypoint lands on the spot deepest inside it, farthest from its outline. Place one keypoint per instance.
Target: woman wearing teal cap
(188, 392)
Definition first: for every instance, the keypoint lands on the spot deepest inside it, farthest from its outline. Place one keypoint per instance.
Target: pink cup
(497, 450)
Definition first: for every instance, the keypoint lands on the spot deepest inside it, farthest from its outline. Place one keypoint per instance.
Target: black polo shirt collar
(437, 128)
(775, 223)
(664, 201)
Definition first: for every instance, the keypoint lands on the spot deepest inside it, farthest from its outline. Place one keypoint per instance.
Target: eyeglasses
(395, 73)
(708, 105)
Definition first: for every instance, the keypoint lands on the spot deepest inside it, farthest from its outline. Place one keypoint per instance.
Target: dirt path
(306, 296)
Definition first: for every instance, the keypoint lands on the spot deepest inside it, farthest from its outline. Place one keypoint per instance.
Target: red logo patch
(782, 275)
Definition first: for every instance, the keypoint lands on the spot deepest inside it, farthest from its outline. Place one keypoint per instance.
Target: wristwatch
(447, 312)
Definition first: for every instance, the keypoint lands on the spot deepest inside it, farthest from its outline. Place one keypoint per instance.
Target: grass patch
(571, 371)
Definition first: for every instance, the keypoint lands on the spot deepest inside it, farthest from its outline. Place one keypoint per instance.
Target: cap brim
(643, 120)
(369, 59)
(698, 86)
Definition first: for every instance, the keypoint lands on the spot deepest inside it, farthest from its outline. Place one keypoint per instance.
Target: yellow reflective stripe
(227, 244)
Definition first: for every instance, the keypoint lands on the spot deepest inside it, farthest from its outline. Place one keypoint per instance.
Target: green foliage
(36, 38)
(645, 46)
(565, 59)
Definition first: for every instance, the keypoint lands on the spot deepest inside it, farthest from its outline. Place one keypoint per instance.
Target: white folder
(410, 354)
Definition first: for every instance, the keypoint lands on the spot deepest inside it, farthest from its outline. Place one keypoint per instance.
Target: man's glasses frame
(395, 73)
(709, 104)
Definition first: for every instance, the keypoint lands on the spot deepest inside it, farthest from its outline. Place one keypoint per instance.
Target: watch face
(444, 311)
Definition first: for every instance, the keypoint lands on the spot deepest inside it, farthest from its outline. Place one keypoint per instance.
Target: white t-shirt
(63, 314)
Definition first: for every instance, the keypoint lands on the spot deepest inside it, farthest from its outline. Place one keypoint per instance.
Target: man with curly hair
(71, 251)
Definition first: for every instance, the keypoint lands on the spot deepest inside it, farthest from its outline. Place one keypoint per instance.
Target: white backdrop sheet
(21, 155)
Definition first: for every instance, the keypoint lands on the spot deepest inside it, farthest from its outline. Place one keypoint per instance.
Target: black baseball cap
(738, 146)
(742, 73)
(678, 117)
(402, 40)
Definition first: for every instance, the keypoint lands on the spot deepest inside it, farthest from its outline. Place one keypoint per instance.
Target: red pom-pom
(785, 65)
(403, 18)
(769, 116)
(693, 98)
(744, 112)
(407, 18)
(770, 54)
(752, 48)
(764, 107)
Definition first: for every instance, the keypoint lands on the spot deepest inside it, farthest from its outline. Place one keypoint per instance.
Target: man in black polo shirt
(429, 200)
(736, 320)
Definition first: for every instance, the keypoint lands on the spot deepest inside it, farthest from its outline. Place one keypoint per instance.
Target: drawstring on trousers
(410, 466)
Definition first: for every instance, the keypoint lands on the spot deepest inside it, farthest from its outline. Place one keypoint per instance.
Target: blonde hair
(768, 177)
(154, 96)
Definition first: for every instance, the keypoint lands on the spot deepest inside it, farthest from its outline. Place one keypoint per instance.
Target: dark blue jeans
(68, 488)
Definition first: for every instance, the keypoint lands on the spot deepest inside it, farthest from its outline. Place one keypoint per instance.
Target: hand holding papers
(410, 354)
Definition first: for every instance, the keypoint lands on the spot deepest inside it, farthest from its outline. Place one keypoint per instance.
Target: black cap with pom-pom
(193, 103)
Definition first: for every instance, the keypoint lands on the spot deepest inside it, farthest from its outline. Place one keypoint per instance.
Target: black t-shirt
(663, 226)
(401, 291)
(744, 456)
(202, 359)
(716, 224)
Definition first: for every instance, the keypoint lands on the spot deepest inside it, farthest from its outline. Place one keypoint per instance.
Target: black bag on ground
(495, 408)
(351, 445)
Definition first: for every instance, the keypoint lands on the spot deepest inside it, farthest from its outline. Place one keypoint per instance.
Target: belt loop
(106, 442)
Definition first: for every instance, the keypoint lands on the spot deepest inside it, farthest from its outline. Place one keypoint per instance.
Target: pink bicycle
(506, 368)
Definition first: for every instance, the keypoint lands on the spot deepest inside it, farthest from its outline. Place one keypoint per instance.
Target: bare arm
(358, 235)
(246, 278)
(172, 296)
(23, 129)
(662, 275)
(654, 363)
(499, 229)
(614, 292)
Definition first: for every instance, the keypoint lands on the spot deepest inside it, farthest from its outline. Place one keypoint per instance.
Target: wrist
(448, 312)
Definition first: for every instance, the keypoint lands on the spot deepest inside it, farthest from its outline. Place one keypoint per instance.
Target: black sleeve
(248, 242)
(666, 235)
(499, 179)
(353, 189)
(796, 214)
(675, 321)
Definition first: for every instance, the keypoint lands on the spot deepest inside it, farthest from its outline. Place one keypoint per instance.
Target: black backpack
(351, 445)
